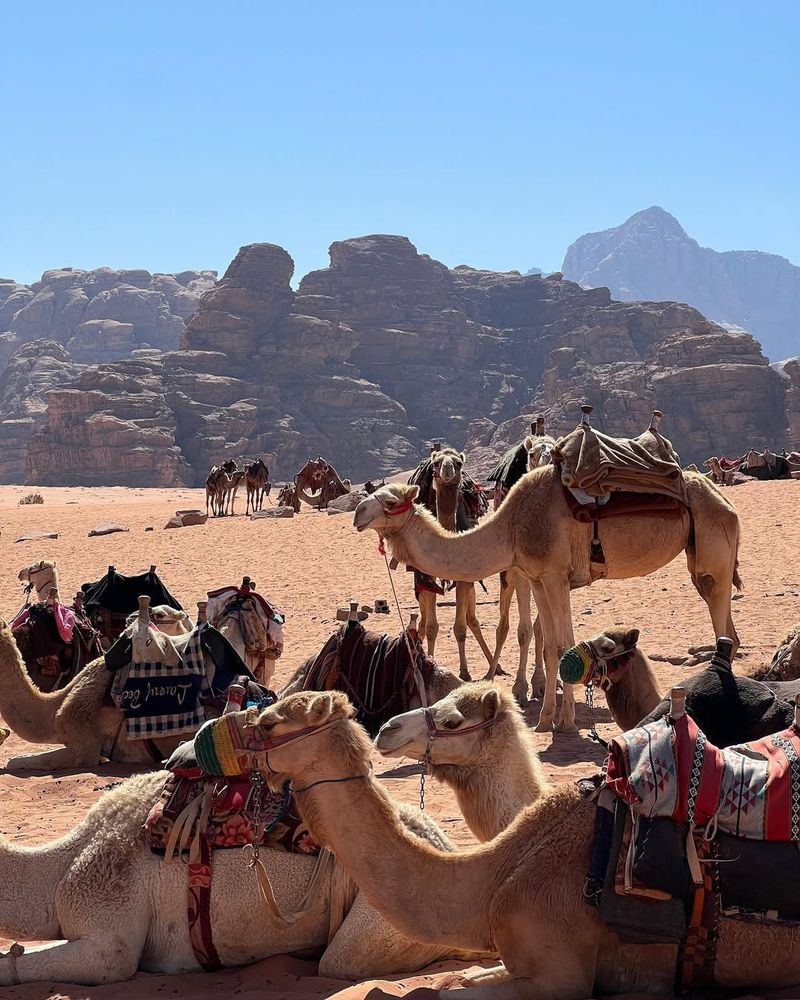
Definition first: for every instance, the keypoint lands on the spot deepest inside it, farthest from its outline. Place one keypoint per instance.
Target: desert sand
(308, 566)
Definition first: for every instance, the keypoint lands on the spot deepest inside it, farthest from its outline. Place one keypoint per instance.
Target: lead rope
(593, 733)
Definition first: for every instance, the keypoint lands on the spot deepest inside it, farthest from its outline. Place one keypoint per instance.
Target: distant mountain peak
(650, 256)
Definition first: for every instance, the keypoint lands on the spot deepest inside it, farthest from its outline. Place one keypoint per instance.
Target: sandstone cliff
(651, 257)
(386, 349)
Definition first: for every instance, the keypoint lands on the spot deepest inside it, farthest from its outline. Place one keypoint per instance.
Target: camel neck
(447, 497)
(635, 694)
(489, 797)
(27, 710)
(423, 891)
(469, 556)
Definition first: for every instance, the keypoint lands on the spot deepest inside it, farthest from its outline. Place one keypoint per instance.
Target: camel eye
(452, 723)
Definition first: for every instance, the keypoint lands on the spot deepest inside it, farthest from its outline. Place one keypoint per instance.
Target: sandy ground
(309, 566)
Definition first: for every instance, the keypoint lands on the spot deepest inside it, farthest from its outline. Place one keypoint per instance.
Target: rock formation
(386, 349)
(650, 257)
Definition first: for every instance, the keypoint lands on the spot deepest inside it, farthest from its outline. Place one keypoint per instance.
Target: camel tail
(737, 580)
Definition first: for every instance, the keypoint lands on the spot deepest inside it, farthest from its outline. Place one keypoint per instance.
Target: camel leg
(537, 682)
(562, 637)
(428, 621)
(106, 958)
(54, 760)
(472, 618)
(548, 712)
(501, 634)
(524, 634)
(460, 631)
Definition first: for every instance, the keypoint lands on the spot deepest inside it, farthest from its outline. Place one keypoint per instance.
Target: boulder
(186, 518)
(106, 528)
(347, 503)
(37, 536)
(272, 512)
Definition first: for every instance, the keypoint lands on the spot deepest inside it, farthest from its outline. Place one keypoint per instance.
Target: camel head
(447, 465)
(463, 723)
(307, 736)
(380, 510)
(602, 659)
(540, 451)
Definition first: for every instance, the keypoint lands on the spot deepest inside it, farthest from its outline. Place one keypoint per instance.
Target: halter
(396, 511)
(600, 676)
(434, 733)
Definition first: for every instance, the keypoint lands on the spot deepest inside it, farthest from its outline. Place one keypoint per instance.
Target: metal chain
(257, 780)
(422, 775)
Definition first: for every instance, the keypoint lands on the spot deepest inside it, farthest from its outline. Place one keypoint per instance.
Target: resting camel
(40, 576)
(287, 497)
(539, 447)
(534, 532)
(785, 665)
(729, 708)
(482, 749)
(522, 893)
(116, 908)
(319, 477)
(257, 484)
(447, 466)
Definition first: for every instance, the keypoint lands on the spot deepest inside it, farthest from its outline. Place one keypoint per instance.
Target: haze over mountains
(651, 257)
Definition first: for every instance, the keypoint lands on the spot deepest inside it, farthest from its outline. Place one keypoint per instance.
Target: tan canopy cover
(600, 465)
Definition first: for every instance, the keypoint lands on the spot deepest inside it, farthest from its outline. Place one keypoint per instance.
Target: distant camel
(257, 484)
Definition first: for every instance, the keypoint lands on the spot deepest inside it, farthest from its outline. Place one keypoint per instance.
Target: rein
(599, 677)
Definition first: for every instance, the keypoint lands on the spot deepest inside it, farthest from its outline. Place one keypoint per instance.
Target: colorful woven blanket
(670, 769)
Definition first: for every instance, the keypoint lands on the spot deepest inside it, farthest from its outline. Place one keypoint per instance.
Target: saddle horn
(723, 653)
(202, 612)
(655, 420)
(540, 425)
(677, 703)
(152, 570)
(412, 622)
(586, 410)
(246, 585)
(78, 602)
(144, 608)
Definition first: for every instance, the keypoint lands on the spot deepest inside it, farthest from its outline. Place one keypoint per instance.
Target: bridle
(602, 670)
(434, 733)
(395, 511)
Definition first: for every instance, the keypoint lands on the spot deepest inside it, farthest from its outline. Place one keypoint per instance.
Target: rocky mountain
(100, 315)
(386, 349)
(650, 257)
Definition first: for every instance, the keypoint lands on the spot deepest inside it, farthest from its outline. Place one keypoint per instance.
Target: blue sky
(166, 134)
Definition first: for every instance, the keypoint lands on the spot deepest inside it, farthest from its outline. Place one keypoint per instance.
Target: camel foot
(520, 694)
(543, 726)
(567, 728)
(465, 676)
(499, 670)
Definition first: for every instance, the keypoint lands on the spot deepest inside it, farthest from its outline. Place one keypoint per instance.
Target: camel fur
(114, 907)
(522, 893)
(495, 772)
(533, 531)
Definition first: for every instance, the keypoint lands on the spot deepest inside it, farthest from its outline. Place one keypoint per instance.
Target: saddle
(686, 834)
(623, 505)
(376, 672)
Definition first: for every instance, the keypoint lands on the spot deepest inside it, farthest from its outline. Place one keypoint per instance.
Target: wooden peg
(586, 410)
(144, 608)
(245, 587)
(152, 571)
(655, 420)
(540, 425)
(112, 570)
(677, 703)
(78, 602)
(202, 612)
(412, 624)
(353, 615)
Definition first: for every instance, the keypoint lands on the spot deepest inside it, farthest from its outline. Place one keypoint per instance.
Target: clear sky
(164, 134)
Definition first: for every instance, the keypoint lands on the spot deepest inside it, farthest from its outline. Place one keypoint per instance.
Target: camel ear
(630, 638)
(463, 457)
(491, 704)
(412, 492)
(322, 708)
(528, 442)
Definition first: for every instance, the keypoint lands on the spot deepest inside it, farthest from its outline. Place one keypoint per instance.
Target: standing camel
(521, 894)
(257, 484)
(539, 450)
(447, 466)
(533, 531)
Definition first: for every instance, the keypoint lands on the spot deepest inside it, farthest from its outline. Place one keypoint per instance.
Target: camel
(257, 484)
(40, 576)
(539, 447)
(522, 893)
(785, 664)
(319, 477)
(447, 465)
(482, 749)
(287, 497)
(729, 708)
(115, 907)
(533, 531)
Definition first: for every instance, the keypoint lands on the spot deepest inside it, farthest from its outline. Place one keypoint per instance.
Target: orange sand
(309, 566)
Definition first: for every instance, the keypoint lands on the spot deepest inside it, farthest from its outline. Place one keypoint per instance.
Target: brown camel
(539, 447)
(447, 464)
(533, 531)
(317, 483)
(785, 665)
(287, 497)
(522, 893)
(482, 749)
(257, 484)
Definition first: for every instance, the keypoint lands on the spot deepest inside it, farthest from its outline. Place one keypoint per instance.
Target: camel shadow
(403, 771)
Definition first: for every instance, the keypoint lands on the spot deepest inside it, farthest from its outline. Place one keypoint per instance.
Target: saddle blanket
(668, 768)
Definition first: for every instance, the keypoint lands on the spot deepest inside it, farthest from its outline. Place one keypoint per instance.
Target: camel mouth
(361, 527)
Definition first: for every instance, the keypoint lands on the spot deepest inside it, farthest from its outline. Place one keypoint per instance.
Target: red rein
(400, 508)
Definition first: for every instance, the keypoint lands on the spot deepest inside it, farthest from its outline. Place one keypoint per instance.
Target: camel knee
(460, 632)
